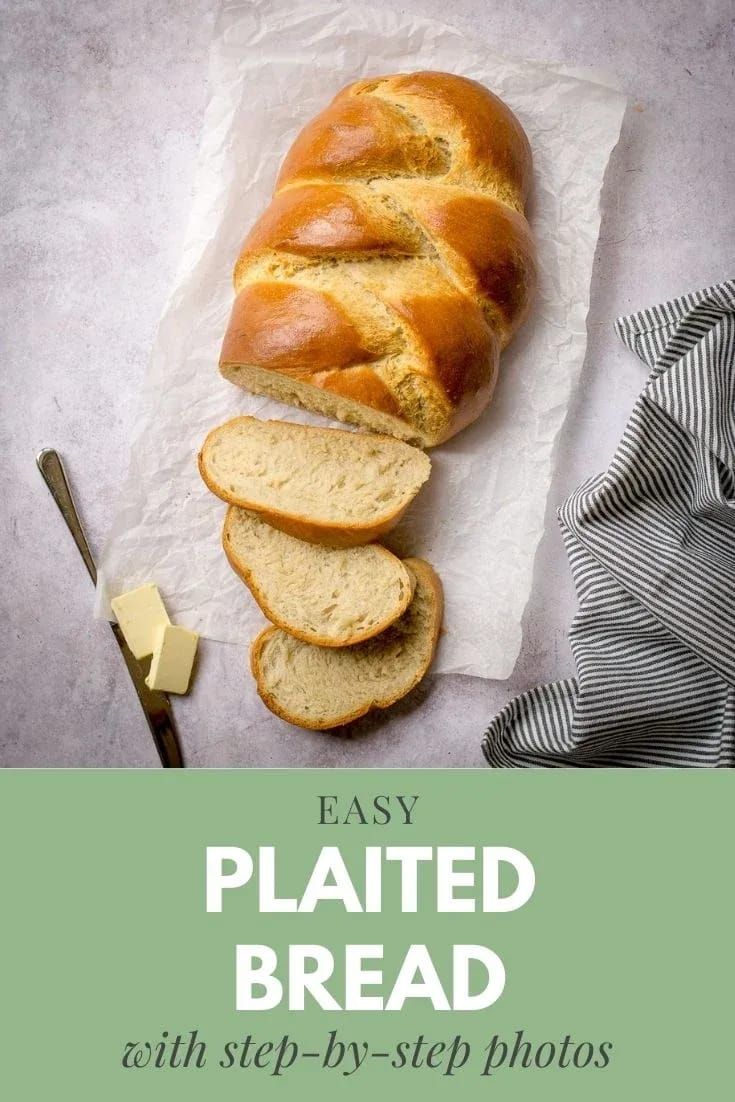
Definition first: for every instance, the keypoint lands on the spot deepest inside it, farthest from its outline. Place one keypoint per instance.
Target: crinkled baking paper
(480, 518)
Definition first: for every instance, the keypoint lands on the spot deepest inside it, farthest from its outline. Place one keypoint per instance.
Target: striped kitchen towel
(651, 545)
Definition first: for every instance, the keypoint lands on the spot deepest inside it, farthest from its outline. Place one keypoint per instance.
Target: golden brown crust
(394, 261)
(497, 248)
(431, 580)
(493, 147)
(245, 574)
(460, 350)
(299, 525)
(329, 536)
(290, 329)
(361, 384)
(313, 221)
(357, 137)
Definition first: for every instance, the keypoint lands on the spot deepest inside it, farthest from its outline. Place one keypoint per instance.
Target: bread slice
(328, 486)
(320, 688)
(331, 596)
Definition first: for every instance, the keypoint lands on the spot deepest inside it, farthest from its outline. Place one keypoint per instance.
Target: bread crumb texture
(324, 485)
(330, 596)
(320, 688)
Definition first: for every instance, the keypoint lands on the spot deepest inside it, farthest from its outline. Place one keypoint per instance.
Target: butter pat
(173, 658)
(141, 615)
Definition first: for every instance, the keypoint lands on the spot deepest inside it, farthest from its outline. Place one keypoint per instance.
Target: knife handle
(50, 466)
(156, 705)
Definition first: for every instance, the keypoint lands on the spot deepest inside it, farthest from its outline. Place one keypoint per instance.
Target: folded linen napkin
(651, 545)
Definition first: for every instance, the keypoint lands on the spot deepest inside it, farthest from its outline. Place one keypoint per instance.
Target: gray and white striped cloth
(651, 545)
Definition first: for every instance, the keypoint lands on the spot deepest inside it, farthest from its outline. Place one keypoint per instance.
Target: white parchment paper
(274, 64)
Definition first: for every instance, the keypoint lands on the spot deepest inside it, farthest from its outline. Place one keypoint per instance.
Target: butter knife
(156, 705)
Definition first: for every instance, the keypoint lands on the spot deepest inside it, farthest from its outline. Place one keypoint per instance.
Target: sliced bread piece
(331, 596)
(328, 486)
(319, 687)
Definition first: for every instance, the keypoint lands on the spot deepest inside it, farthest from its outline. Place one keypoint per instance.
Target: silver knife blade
(155, 705)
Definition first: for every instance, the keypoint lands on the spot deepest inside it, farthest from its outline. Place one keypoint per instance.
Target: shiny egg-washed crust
(427, 579)
(394, 261)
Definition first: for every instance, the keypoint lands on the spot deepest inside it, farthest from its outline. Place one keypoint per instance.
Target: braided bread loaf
(394, 261)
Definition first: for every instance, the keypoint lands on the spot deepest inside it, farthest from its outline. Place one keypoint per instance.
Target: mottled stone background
(102, 105)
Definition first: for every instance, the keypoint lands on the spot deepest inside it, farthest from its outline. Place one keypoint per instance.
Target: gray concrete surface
(102, 106)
